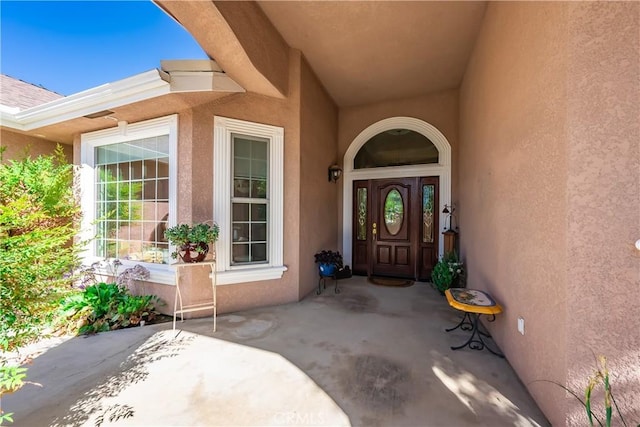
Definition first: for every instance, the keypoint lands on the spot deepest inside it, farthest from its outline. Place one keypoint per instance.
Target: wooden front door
(395, 227)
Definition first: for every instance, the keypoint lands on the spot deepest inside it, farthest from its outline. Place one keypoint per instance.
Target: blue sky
(71, 46)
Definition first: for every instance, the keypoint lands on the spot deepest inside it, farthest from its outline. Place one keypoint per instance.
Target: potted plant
(328, 262)
(192, 242)
(447, 271)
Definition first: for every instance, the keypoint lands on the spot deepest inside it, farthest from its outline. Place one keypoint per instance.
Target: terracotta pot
(188, 252)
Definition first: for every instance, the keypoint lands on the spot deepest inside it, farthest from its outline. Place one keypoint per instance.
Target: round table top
(472, 301)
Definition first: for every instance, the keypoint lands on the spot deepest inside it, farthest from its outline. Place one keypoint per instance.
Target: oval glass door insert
(393, 212)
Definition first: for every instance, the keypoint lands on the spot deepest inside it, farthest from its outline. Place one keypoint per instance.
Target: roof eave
(147, 85)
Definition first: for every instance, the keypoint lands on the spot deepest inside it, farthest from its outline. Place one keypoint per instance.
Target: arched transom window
(396, 147)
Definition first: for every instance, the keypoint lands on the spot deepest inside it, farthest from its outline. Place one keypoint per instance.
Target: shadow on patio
(367, 356)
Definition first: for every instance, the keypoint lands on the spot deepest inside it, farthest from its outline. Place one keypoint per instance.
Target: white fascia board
(9, 120)
(126, 91)
(147, 85)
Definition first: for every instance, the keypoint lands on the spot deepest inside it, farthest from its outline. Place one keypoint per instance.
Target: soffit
(365, 52)
(150, 108)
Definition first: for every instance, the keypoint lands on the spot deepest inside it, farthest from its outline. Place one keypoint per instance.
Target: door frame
(442, 170)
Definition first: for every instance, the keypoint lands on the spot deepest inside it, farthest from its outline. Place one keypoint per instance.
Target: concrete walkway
(369, 356)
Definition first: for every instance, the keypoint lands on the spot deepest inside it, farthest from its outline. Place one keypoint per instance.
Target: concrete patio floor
(368, 356)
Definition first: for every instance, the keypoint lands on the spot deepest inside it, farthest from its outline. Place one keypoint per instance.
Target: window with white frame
(248, 200)
(128, 186)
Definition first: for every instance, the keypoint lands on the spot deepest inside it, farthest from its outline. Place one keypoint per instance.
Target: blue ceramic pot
(327, 269)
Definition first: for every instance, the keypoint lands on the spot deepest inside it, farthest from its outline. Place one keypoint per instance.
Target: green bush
(105, 306)
(39, 214)
(446, 271)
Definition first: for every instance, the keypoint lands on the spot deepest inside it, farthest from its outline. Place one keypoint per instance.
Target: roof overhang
(175, 77)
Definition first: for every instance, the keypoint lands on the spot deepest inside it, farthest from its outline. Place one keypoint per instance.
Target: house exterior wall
(318, 196)
(549, 191)
(603, 193)
(310, 130)
(196, 187)
(17, 145)
(439, 109)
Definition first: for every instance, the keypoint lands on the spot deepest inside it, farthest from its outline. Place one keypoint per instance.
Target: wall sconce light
(449, 210)
(335, 172)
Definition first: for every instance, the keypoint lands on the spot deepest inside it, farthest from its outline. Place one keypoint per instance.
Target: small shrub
(105, 306)
(446, 271)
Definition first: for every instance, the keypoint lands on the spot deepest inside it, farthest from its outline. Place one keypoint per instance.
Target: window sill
(158, 273)
(258, 274)
(164, 274)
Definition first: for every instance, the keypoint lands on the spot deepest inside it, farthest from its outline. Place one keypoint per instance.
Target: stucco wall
(439, 109)
(512, 180)
(550, 193)
(603, 192)
(17, 145)
(318, 196)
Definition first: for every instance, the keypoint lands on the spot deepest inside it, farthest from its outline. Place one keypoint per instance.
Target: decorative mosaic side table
(473, 303)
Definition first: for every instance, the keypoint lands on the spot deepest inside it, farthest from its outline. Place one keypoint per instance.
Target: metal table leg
(470, 321)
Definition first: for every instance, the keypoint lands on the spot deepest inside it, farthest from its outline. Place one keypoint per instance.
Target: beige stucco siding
(18, 145)
(550, 188)
(318, 196)
(513, 168)
(603, 193)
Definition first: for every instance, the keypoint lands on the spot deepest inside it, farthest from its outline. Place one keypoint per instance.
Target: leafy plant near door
(192, 242)
(449, 270)
(328, 262)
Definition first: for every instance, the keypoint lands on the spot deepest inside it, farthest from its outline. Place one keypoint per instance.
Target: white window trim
(223, 128)
(159, 273)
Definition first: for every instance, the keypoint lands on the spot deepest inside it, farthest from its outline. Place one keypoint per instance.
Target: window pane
(240, 212)
(163, 167)
(427, 213)
(393, 212)
(163, 146)
(362, 214)
(242, 147)
(111, 172)
(259, 168)
(163, 189)
(123, 170)
(240, 232)
(259, 189)
(136, 190)
(149, 192)
(149, 169)
(258, 232)
(240, 188)
(240, 253)
(258, 212)
(259, 252)
(242, 168)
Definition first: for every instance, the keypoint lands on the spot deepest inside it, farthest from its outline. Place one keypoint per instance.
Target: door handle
(374, 231)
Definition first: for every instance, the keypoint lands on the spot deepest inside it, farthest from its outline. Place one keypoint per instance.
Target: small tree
(39, 215)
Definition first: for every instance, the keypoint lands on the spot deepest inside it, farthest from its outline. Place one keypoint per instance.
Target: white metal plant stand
(194, 307)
